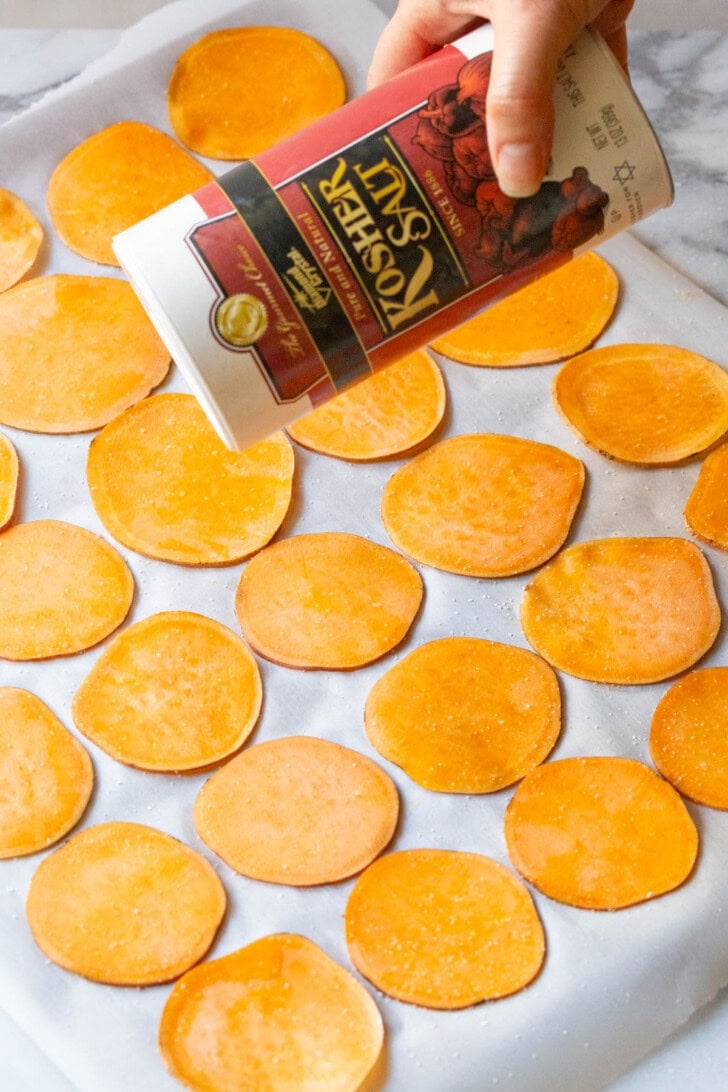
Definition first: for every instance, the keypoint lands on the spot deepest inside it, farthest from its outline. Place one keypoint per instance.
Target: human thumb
(528, 42)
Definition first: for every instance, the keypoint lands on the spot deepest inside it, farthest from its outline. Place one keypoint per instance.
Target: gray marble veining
(33, 62)
(682, 81)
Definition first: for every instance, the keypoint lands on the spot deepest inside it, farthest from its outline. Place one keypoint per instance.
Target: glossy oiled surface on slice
(20, 238)
(74, 352)
(689, 736)
(483, 504)
(238, 91)
(62, 590)
(164, 484)
(462, 714)
(644, 404)
(277, 1014)
(125, 904)
(706, 509)
(623, 610)
(114, 178)
(443, 928)
(9, 472)
(327, 600)
(46, 776)
(175, 691)
(552, 318)
(600, 833)
(389, 413)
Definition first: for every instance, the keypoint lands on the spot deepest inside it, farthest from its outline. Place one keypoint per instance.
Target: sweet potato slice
(600, 833)
(483, 505)
(9, 472)
(623, 610)
(393, 411)
(20, 239)
(114, 178)
(328, 600)
(706, 509)
(644, 404)
(443, 929)
(689, 736)
(74, 352)
(462, 714)
(165, 485)
(62, 590)
(176, 691)
(235, 92)
(554, 317)
(125, 904)
(298, 811)
(46, 776)
(277, 1014)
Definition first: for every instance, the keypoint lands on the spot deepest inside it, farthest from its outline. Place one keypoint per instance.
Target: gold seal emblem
(241, 319)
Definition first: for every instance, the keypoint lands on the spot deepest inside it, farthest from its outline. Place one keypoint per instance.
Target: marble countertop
(682, 80)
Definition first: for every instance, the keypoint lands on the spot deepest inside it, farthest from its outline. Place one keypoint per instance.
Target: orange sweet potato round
(125, 904)
(165, 485)
(600, 833)
(114, 178)
(644, 404)
(327, 600)
(393, 411)
(276, 1014)
(623, 610)
(443, 929)
(74, 352)
(689, 736)
(46, 776)
(484, 504)
(62, 590)
(176, 691)
(462, 714)
(20, 239)
(552, 318)
(9, 472)
(237, 91)
(706, 509)
(298, 810)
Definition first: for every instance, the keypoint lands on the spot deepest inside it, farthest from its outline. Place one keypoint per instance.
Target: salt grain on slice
(443, 928)
(276, 1014)
(601, 833)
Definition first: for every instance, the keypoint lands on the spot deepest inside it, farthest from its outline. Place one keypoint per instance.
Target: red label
(378, 228)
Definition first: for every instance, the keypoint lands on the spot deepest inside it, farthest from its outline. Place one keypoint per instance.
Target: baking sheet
(613, 985)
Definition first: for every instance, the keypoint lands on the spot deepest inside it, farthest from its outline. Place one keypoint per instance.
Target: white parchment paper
(614, 985)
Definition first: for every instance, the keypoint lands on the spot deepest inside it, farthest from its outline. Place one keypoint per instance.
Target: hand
(529, 37)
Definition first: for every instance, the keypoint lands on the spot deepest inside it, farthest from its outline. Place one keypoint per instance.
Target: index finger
(519, 105)
(414, 32)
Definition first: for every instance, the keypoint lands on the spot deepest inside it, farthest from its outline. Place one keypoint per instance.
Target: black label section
(372, 204)
(299, 273)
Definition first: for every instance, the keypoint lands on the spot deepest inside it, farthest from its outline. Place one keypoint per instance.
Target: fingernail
(519, 169)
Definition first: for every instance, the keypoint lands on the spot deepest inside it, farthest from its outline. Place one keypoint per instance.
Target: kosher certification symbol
(624, 172)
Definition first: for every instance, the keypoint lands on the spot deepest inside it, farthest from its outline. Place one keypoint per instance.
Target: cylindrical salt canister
(378, 228)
